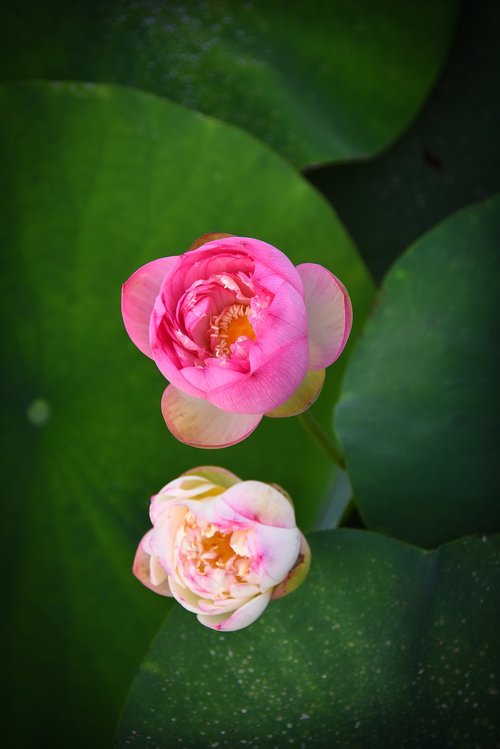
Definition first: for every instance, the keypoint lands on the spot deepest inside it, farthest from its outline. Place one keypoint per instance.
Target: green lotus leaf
(317, 81)
(96, 181)
(419, 412)
(384, 645)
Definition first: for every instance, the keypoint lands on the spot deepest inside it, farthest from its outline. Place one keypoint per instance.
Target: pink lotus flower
(222, 547)
(238, 331)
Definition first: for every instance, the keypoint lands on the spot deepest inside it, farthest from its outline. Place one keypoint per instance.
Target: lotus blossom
(238, 331)
(222, 547)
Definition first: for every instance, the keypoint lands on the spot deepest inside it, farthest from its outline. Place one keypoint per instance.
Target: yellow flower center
(210, 549)
(232, 324)
(239, 326)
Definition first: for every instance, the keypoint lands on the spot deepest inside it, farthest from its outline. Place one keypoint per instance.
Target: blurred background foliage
(269, 67)
(98, 178)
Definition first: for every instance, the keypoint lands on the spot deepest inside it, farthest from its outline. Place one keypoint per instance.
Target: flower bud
(222, 547)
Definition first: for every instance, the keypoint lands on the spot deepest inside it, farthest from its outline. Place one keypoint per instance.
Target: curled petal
(142, 570)
(139, 293)
(163, 349)
(185, 597)
(167, 519)
(200, 424)
(274, 551)
(215, 474)
(269, 261)
(260, 503)
(329, 312)
(244, 590)
(303, 397)
(240, 618)
(186, 487)
(223, 606)
(297, 574)
(249, 505)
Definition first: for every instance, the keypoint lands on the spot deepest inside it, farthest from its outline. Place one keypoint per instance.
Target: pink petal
(199, 380)
(269, 386)
(163, 350)
(259, 503)
(330, 314)
(138, 297)
(141, 569)
(303, 397)
(240, 618)
(269, 261)
(197, 423)
(275, 550)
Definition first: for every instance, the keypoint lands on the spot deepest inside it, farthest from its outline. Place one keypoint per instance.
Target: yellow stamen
(210, 550)
(239, 326)
(232, 324)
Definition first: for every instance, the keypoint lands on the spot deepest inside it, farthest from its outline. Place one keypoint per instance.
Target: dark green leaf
(448, 158)
(318, 81)
(384, 646)
(419, 413)
(96, 181)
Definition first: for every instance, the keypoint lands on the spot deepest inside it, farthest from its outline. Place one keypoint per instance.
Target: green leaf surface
(96, 181)
(317, 81)
(448, 158)
(419, 412)
(384, 645)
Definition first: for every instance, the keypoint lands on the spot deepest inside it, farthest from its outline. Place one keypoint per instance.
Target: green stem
(321, 438)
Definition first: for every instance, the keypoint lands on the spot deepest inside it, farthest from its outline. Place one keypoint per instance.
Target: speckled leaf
(419, 414)
(384, 646)
(318, 81)
(95, 181)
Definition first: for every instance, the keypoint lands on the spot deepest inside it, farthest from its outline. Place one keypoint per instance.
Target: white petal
(260, 503)
(240, 618)
(277, 550)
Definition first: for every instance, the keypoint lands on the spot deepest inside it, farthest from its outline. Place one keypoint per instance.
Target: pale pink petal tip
(269, 505)
(298, 573)
(142, 571)
(329, 314)
(303, 397)
(197, 423)
(138, 297)
(242, 617)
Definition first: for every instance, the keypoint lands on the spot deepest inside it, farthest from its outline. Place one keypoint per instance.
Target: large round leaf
(384, 646)
(419, 413)
(97, 181)
(447, 159)
(318, 81)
